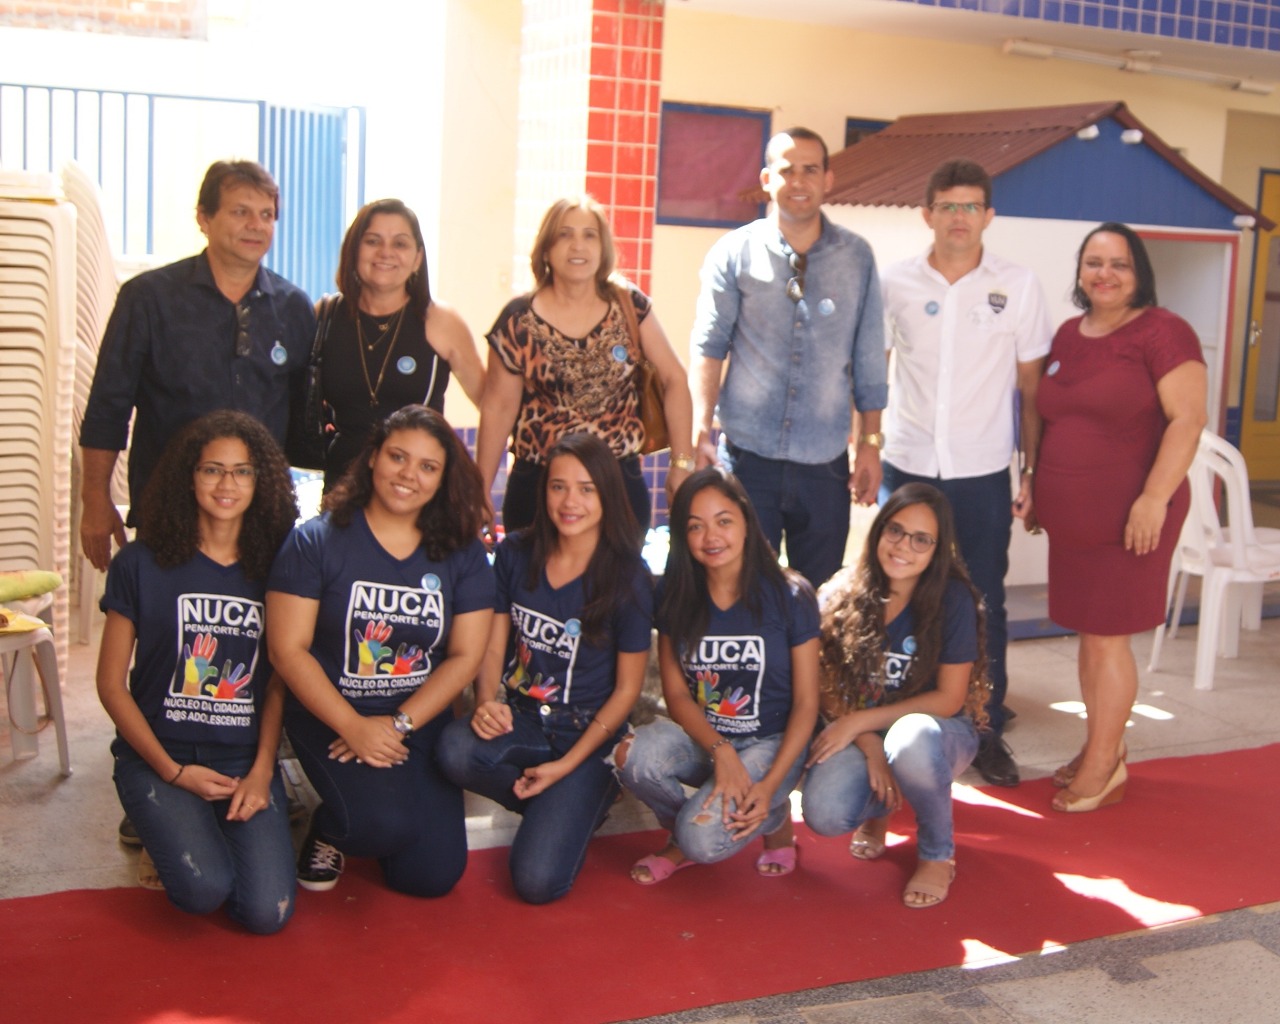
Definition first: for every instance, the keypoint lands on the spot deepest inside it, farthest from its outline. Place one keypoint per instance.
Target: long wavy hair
(615, 561)
(686, 603)
(418, 286)
(452, 518)
(169, 518)
(854, 638)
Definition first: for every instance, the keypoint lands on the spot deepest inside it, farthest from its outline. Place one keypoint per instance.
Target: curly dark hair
(685, 608)
(610, 573)
(452, 518)
(168, 517)
(852, 645)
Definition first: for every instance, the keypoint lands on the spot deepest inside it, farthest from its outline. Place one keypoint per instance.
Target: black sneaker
(994, 761)
(320, 864)
(127, 833)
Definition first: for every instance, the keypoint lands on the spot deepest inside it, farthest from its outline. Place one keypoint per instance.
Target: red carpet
(613, 950)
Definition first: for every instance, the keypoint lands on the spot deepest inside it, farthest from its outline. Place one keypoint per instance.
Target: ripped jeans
(204, 860)
(663, 760)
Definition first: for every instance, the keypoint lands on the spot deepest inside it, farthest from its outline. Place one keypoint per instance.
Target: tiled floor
(60, 834)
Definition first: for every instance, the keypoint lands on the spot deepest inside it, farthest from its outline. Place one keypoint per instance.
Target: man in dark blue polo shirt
(215, 331)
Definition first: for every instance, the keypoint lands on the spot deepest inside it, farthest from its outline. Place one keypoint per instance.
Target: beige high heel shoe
(1112, 793)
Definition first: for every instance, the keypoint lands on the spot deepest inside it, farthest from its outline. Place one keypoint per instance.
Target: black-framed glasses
(920, 542)
(795, 287)
(243, 343)
(213, 472)
(951, 209)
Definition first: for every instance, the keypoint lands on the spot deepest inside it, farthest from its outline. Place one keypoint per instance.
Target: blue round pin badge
(406, 365)
(430, 581)
(909, 645)
(279, 354)
(1054, 367)
(931, 308)
(573, 627)
(619, 353)
(826, 307)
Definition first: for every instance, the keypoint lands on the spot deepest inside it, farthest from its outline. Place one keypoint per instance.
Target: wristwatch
(402, 723)
(685, 462)
(875, 440)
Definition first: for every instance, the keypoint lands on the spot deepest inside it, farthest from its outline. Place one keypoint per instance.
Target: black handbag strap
(325, 309)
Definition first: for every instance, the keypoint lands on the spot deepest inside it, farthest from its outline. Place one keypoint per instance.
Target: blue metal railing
(130, 140)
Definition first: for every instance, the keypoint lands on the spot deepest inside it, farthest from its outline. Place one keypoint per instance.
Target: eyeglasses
(920, 542)
(243, 343)
(213, 472)
(795, 287)
(951, 209)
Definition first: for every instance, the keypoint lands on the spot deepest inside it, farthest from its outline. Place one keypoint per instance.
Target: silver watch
(403, 723)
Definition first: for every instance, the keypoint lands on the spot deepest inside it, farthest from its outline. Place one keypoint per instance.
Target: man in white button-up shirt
(970, 333)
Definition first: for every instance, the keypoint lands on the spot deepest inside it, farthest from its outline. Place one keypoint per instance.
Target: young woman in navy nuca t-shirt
(903, 689)
(738, 651)
(564, 666)
(198, 716)
(377, 613)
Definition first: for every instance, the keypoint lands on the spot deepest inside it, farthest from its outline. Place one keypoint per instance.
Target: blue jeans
(983, 509)
(551, 842)
(809, 503)
(205, 861)
(410, 817)
(925, 752)
(663, 760)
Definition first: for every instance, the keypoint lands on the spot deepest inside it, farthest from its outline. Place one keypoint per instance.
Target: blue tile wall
(1247, 24)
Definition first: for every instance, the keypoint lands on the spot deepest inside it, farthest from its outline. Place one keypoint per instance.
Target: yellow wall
(476, 205)
(818, 76)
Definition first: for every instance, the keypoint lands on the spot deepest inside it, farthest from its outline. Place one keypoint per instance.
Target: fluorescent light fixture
(1243, 221)
(1131, 136)
(1088, 133)
(1135, 64)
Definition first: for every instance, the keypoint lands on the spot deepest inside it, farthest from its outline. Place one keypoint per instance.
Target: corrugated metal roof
(892, 167)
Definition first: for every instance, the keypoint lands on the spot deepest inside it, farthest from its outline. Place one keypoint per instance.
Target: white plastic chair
(17, 668)
(1244, 603)
(1236, 556)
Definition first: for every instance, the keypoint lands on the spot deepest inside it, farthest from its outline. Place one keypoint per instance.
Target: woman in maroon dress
(1123, 401)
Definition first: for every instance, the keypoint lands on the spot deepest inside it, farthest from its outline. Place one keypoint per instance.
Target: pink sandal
(784, 857)
(659, 867)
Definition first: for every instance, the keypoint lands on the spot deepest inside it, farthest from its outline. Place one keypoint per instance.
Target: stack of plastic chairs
(37, 373)
(96, 287)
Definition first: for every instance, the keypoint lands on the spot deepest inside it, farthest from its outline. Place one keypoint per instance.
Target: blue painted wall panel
(1106, 179)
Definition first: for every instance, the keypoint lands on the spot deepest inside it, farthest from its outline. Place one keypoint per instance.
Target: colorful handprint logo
(705, 683)
(372, 649)
(732, 705)
(197, 664)
(231, 684)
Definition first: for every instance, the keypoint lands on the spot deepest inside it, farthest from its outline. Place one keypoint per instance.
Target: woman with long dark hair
(378, 611)
(564, 666)
(903, 688)
(388, 341)
(197, 713)
(738, 652)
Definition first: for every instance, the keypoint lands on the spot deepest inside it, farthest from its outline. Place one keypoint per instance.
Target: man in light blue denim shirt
(792, 304)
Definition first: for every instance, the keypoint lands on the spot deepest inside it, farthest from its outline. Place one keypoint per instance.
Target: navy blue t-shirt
(740, 671)
(548, 659)
(200, 668)
(959, 639)
(383, 623)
